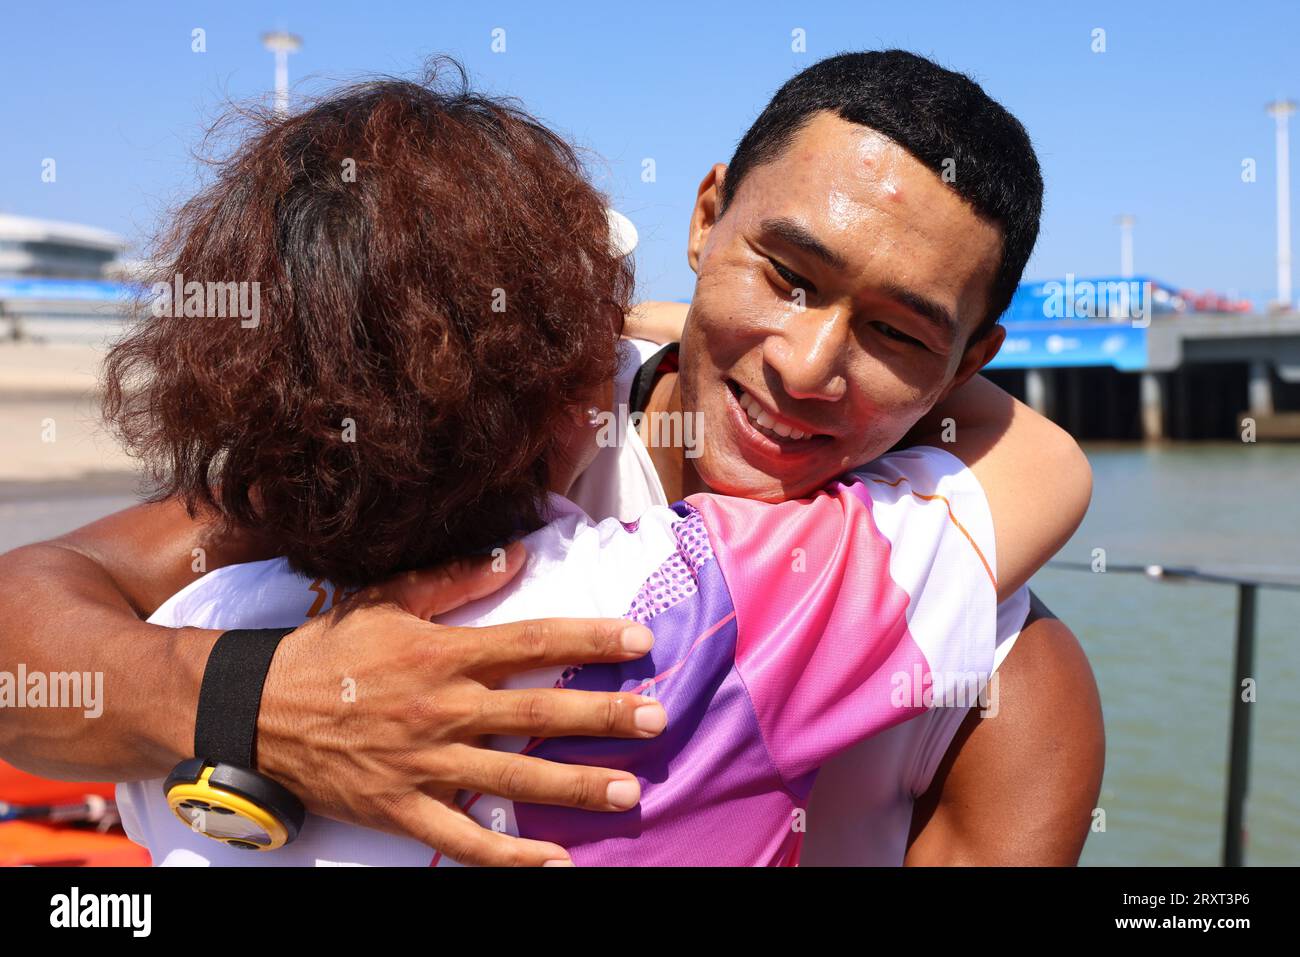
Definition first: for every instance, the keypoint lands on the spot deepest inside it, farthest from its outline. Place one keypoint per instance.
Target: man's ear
(705, 213)
(977, 355)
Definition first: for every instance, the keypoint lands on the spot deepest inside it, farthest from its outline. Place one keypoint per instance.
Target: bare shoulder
(1018, 786)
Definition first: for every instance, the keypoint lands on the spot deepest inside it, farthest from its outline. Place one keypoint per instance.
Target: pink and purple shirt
(784, 635)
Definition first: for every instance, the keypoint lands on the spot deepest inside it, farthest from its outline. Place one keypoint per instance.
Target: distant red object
(1210, 301)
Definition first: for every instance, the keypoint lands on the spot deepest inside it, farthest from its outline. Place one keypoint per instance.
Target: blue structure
(1047, 345)
(1074, 323)
(82, 290)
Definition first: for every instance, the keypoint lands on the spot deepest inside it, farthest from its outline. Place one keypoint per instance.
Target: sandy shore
(49, 415)
(48, 368)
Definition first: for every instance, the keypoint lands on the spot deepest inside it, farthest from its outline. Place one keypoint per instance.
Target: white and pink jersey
(784, 635)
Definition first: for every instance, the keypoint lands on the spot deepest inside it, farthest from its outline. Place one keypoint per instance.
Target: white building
(42, 247)
(59, 281)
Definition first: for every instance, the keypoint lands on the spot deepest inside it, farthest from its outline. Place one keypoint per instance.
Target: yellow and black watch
(219, 793)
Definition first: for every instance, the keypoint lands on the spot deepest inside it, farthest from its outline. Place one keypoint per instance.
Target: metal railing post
(1234, 825)
(1234, 822)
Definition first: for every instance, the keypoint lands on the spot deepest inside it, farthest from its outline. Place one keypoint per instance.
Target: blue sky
(1158, 125)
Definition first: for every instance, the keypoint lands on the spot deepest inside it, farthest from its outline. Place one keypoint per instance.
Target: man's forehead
(877, 208)
(840, 172)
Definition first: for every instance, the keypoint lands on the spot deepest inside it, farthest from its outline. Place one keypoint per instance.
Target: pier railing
(1234, 832)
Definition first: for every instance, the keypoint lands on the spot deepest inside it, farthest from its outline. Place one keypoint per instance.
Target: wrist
(281, 722)
(171, 739)
(220, 792)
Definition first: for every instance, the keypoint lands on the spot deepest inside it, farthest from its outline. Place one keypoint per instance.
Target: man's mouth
(787, 435)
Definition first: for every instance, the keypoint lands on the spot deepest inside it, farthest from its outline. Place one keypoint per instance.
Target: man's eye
(891, 333)
(792, 279)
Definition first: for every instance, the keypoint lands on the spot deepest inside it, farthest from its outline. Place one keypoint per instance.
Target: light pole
(1126, 222)
(1281, 111)
(282, 43)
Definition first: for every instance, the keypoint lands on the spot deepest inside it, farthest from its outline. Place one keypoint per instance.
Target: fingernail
(623, 793)
(650, 717)
(637, 638)
(558, 864)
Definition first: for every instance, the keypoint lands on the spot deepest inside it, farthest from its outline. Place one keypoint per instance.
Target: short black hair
(938, 116)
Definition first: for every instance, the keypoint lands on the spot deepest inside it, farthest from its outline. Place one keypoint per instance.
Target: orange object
(38, 843)
(19, 787)
(35, 844)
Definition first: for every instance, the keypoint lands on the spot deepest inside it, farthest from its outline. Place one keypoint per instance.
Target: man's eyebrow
(800, 238)
(937, 314)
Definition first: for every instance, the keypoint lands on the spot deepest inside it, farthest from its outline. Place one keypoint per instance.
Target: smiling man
(852, 261)
(808, 349)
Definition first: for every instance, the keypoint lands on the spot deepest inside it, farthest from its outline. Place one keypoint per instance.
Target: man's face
(835, 298)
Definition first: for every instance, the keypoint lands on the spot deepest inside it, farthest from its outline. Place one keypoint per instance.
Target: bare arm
(1019, 787)
(1034, 475)
(658, 322)
(75, 604)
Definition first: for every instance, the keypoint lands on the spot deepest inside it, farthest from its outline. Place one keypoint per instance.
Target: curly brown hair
(453, 298)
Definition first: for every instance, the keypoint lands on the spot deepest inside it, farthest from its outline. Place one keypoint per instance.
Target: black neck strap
(225, 728)
(643, 381)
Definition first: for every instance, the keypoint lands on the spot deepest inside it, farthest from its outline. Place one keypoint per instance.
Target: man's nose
(808, 354)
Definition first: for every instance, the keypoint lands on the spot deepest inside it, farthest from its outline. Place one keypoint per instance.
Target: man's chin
(742, 480)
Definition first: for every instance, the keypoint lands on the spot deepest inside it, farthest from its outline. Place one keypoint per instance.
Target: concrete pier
(1040, 391)
(1187, 376)
(1260, 388)
(1152, 399)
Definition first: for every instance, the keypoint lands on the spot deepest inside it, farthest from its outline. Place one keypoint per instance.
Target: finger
(429, 592)
(498, 650)
(454, 834)
(530, 780)
(560, 712)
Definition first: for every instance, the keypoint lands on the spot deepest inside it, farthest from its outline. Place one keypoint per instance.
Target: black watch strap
(225, 729)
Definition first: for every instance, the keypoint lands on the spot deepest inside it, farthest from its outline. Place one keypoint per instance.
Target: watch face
(221, 823)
